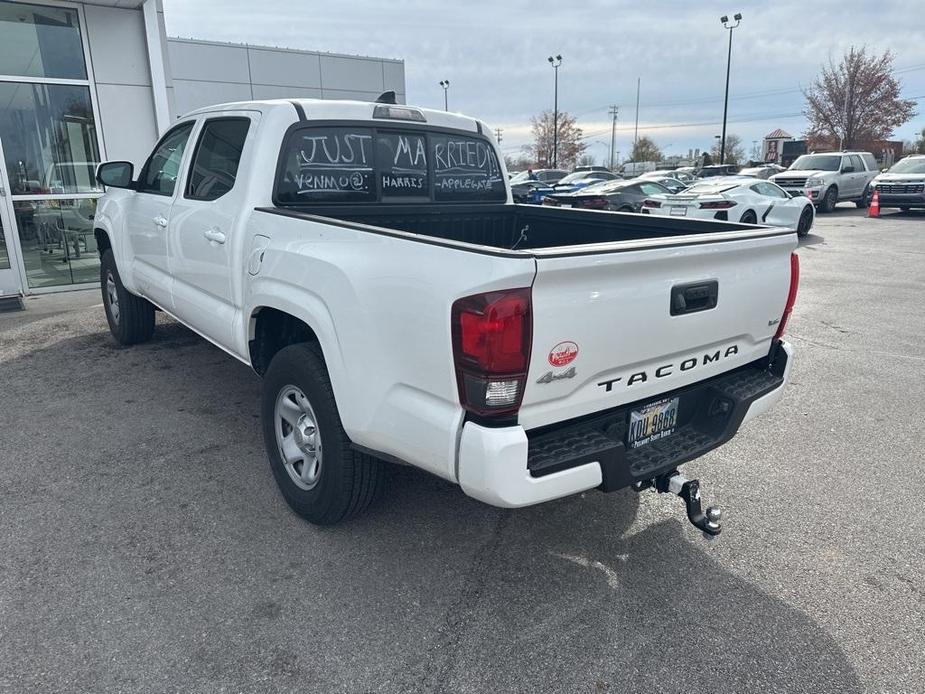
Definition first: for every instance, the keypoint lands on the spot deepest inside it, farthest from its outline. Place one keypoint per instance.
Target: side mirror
(847, 169)
(116, 174)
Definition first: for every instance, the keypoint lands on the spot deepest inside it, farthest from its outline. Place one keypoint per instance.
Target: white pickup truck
(366, 259)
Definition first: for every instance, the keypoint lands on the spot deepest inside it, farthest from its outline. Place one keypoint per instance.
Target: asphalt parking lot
(144, 546)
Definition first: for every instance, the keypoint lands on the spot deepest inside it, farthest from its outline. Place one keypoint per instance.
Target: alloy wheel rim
(112, 295)
(298, 437)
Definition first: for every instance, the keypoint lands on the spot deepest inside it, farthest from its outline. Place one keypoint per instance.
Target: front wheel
(319, 474)
(130, 318)
(806, 222)
(830, 199)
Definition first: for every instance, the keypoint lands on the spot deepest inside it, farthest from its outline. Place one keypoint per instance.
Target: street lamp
(446, 85)
(555, 62)
(727, 25)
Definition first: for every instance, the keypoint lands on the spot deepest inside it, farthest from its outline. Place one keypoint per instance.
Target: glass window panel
(57, 242)
(49, 138)
(162, 169)
(216, 159)
(40, 41)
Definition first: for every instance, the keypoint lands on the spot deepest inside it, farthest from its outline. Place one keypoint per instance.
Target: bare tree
(586, 160)
(856, 102)
(570, 144)
(645, 149)
(735, 153)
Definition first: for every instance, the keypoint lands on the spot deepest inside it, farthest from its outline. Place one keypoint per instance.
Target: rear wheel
(864, 201)
(319, 474)
(830, 199)
(806, 222)
(749, 217)
(625, 208)
(130, 318)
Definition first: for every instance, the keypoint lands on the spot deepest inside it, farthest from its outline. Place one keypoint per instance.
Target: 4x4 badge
(549, 377)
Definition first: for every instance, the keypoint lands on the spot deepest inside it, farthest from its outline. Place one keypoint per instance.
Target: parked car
(737, 199)
(636, 168)
(672, 184)
(524, 186)
(366, 260)
(677, 175)
(903, 185)
(765, 171)
(617, 196)
(578, 180)
(590, 168)
(713, 170)
(830, 178)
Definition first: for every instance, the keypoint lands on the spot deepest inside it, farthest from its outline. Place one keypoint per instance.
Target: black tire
(130, 318)
(904, 208)
(347, 481)
(864, 202)
(749, 217)
(829, 200)
(626, 208)
(806, 221)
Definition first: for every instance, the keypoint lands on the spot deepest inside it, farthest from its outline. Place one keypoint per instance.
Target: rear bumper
(510, 467)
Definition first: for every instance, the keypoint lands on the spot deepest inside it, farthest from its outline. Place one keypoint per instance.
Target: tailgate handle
(697, 296)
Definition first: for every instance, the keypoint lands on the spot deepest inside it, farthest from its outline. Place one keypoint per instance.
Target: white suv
(830, 178)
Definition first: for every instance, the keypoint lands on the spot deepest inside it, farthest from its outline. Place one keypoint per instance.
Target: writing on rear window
(340, 164)
(329, 164)
(403, 164)
(465, 168)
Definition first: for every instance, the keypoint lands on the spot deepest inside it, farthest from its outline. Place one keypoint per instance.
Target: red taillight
(791, 296)
(593, 203)
(492, 335)
(549, 201)
(651, 203)
(718, 205)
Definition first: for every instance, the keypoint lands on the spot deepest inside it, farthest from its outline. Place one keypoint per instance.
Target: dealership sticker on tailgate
(653, 422)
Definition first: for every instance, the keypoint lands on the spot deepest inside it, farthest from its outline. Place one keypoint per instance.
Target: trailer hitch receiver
(689, 490)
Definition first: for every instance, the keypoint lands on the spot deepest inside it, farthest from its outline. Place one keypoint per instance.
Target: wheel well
(752, 213)
(273, 330)
(103, 243)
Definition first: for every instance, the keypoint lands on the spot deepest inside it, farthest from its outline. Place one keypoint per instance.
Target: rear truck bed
(646, 341)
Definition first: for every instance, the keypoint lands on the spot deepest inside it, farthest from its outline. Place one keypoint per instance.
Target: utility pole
(446, 86)
(614, 110)
(498, 132)
(636, 131)
(555, 62)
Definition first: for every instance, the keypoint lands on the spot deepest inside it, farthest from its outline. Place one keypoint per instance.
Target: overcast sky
(494, 54)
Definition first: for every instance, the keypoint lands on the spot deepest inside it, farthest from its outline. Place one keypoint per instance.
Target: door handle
(160, 221)
(214, 235)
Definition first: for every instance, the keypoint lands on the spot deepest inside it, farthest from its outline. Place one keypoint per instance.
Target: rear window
(346, 164)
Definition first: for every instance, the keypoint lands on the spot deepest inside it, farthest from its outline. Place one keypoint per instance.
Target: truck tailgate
(622, 325)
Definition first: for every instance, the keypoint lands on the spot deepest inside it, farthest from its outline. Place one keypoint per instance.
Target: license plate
(653, 422)
(565, 204)
(678, 211)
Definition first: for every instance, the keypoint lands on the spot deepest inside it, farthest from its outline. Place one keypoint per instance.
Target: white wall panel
(272, 91)
(285, 68)
(394, 74)
(127, 121)
(356, 74)
(209, 62)
(117, 45)
(192, 95)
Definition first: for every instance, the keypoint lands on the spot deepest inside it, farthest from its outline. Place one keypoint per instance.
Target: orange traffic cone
(874, 209)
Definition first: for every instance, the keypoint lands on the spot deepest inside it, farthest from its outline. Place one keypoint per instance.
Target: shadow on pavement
(160, 556)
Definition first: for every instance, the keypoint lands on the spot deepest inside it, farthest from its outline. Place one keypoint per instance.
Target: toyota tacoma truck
(367, 260)
(830, 178)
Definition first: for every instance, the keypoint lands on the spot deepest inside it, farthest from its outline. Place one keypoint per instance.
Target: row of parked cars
(765, 194)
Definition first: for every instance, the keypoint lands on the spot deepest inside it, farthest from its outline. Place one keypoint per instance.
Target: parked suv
(830, 178)
(903, 186)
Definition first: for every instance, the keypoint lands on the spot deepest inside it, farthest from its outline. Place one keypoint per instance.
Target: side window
(770, 190)
(652, 188)
(857, 163)
(160, 173)
(215, 161)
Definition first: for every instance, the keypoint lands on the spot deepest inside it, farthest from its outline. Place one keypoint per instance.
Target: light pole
(446, 85)
(555, 62)
(725, 20)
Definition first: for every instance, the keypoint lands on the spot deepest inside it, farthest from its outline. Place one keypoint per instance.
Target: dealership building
(84, 82)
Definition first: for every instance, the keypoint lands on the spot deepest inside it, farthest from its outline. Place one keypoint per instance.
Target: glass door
(10, 284)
